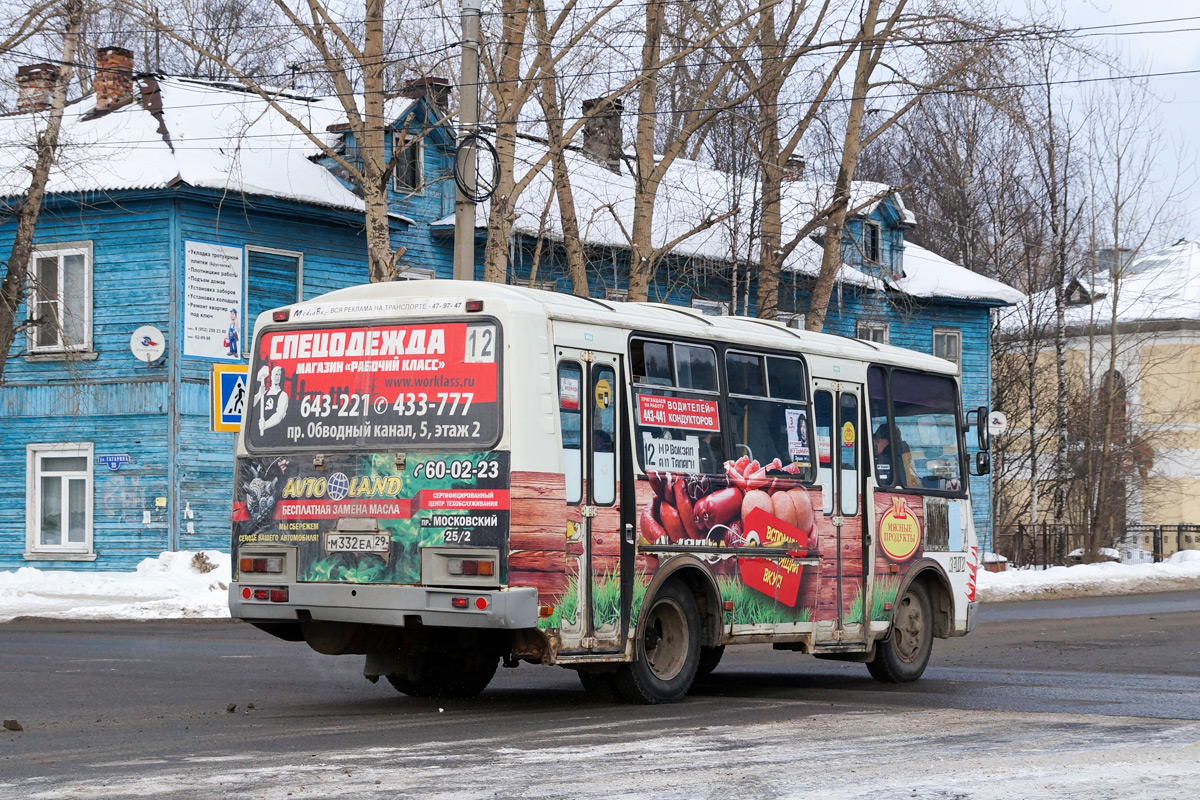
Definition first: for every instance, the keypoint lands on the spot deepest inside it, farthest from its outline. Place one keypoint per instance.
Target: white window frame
(419, 144)
(867, 330)
(67, 551)
(59, 249)
(869, 224)
(711, 308)
(955, 333)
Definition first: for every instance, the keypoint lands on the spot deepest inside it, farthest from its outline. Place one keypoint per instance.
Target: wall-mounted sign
(147, 344)
(228, 394)
(997, 422)
(113, 461)
(212, 305)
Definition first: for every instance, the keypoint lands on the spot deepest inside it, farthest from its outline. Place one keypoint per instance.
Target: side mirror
(983, 463)
(981, 430)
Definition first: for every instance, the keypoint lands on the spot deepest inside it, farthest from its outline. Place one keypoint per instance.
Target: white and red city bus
(442, 475)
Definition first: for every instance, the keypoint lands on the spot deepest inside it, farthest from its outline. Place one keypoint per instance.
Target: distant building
(191, 206)
(1151, 312)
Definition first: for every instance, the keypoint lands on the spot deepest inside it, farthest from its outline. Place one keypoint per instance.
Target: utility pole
(468, 117)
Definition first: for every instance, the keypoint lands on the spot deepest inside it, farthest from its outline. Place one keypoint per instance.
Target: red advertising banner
(777, 579)
(463, 499)
(678, 412)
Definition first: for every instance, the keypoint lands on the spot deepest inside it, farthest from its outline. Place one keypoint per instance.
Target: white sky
(1156, 48)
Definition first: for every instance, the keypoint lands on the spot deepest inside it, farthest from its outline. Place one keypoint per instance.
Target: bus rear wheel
(666, 651)
(904, 654)
(452, 665)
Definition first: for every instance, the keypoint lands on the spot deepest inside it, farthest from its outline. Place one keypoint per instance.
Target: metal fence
(1039, 546)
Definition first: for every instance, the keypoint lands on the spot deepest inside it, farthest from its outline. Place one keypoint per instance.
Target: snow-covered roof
(926, 274)
(1163, 285)
(211, 135)
(691, 192)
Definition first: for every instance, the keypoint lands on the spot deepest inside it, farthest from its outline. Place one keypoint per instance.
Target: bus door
(842, 591)
(589, 410)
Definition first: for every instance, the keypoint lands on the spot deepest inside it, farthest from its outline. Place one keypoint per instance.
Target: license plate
(357, 542)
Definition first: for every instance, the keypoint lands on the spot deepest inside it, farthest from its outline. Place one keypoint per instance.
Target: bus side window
(604, 461)
(848, 460)
(881, 453)
(570, 415)
(823, 413)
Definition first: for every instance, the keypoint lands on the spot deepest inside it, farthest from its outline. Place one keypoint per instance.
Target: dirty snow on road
(970, 755)
(186, 584)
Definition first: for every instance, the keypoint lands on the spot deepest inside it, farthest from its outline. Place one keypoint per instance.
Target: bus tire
(904, 654)
(434, 677)
(710, 657)
(666, 651)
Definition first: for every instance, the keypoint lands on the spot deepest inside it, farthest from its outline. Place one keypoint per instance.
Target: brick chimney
(793, 169)
(114, 77)
(436, 88)
(35, 86)
(602, 132)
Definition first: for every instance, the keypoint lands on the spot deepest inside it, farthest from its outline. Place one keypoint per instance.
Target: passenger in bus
(883, 456)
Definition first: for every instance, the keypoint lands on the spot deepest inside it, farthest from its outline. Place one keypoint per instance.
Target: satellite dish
(997, 423)
(148, 344)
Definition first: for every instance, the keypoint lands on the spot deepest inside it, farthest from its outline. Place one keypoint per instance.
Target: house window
(620, 295)
(711, 308)
(871, 235)
(408, 172)
(59, 498)
(60, 299)
(873, 332)
(947, 344)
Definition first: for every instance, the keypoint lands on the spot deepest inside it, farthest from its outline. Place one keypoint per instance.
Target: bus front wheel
(904, 654)
(666, 652)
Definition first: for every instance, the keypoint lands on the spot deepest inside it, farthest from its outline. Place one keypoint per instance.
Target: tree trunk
(509, 94)
(831, 255)
(565, 195)
(380, 257)
(642, 245)
(13, 291)
(770, 244)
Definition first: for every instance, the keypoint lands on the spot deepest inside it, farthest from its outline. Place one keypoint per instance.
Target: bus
(442, 476)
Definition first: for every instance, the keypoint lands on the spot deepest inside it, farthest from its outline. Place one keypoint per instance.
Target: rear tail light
(274, 564)
(474, 305)
(470, 566)
(281, 315)
(459, 602)
(274, 595)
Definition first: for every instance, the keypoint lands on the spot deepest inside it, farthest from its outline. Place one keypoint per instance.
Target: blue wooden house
(181, 209)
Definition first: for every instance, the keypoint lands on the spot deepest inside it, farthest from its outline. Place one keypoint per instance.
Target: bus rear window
(380, 386)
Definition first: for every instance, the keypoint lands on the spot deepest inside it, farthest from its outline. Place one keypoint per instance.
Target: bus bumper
(389, 605)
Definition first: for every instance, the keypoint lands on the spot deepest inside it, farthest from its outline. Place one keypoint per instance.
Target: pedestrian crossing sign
(229, 396)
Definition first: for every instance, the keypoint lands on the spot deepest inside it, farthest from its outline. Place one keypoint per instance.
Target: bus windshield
(414, 386)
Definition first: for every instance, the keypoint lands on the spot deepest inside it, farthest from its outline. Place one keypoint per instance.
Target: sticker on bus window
(678, 412)
(797, 435)
(568, 393)
(848, 434)
(671, 455)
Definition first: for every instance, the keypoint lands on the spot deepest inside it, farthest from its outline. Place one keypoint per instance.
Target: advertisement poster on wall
(213, 279)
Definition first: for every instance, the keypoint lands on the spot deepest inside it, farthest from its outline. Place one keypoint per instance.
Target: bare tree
(45, 148)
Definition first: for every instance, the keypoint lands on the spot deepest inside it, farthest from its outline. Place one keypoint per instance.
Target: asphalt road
(123, 709)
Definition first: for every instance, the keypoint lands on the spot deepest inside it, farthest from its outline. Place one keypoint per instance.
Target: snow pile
(174, 585)
(1181, 572)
